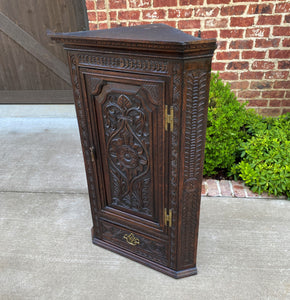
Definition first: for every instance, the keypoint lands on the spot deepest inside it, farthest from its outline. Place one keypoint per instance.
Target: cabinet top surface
(151, 36)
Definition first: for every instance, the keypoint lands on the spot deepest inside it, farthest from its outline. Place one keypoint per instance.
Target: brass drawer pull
(131, 239)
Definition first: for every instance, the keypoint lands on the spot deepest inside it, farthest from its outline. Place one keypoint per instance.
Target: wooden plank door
(128, 147)
(32, 68)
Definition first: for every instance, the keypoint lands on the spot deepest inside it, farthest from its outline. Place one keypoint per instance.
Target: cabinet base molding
(143, 261)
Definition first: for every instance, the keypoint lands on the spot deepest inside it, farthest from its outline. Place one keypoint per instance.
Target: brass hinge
(168, 217)
(92, 152)
(168, 118)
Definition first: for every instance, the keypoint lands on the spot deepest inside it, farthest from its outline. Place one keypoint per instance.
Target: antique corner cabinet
(141, 97)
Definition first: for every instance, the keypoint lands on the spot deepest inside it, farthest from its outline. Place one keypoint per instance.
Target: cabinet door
(125, 115)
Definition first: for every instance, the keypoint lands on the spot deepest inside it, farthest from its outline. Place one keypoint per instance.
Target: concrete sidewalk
(45, 243)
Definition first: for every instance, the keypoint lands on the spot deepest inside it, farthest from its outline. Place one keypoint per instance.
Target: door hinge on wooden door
(92, 152)
(168, 118)
(168, 217)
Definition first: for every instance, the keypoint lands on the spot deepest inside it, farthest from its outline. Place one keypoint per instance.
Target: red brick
(261, 85)
(103, 25)
(227, 55)
(118, 24)
(233, 10)
(92, 16)
(93, 26)
(180, 13)
(269, 20)
(253, 54)
(136, 23)
(252, 75)
(284, 64)
(221, 45)
(204, 188)
(209, 34)
(263, 65)
(238, 189)
(249, 94)
(170, 23)
(154, 14)
(286, 43)
(212, 188)
(273, 94)
(257, 32)
(188, 24)
(276, 75)
(229, 75)
(258, 103)
(139, 3)
(217, 66)
(206, 12)
(215, 23)
(282, 7)
(286, 102)
(90, 5)
(287, 19)
(282, 84)
(238, 65)
(239, 85)
(273, 112)
(245, 1)
(281, 31)
(275, 103)
(117, 4)
(129, 15)
(288, 96)
(100, 4)
(235, 33)
(260, 9)
(241, 44)
(225, 188)
(267, 43)
(191, 2)
(113, 15)
(102, 16)
(279, 53)
(285, 110)
(162, 3)
(218, 1)
(242, 22)
(250, 194)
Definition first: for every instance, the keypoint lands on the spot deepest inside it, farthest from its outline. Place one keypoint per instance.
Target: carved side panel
(196, 83)
(175, 141)
(127, 134)
(84, 134)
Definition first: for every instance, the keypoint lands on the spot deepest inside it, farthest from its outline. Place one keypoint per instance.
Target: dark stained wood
(138, 171)
(28, 59)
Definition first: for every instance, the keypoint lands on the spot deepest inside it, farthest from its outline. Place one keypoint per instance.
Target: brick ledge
(230, 188)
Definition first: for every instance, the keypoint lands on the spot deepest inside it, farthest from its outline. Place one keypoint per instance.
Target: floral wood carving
(126, 124)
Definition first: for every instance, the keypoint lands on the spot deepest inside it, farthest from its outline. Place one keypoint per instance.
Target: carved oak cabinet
(141, 98)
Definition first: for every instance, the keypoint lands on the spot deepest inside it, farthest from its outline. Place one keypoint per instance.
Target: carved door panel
(128, 145)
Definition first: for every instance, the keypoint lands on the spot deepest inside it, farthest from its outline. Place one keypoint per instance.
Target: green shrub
(226, 128)
(242, 144)
(265, 165)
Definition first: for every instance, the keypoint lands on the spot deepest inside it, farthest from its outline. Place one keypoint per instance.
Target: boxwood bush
(243, 144)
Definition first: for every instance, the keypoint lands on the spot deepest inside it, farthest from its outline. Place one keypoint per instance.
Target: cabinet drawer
(147, 247)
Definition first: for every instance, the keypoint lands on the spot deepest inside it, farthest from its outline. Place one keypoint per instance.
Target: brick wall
(253, 52)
